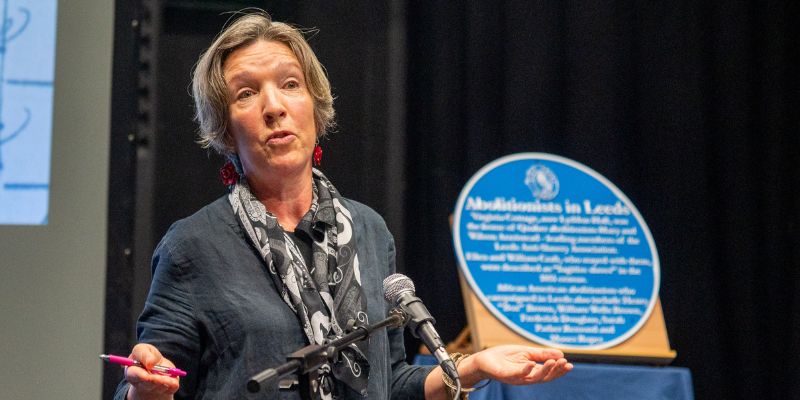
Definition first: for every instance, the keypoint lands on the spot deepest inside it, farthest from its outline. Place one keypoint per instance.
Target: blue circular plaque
(556, 252)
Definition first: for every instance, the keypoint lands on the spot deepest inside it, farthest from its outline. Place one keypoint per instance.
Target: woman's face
(270, 112)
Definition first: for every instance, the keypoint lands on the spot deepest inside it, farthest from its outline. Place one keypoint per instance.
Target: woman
(283, 260)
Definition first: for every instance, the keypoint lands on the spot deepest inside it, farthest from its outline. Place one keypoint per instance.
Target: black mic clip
(409, 304)
(399, 315)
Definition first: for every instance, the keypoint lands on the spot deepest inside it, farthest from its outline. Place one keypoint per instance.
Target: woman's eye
(292, 85)
(245, 94)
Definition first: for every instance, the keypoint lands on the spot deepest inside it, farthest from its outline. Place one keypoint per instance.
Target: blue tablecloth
(596, 381)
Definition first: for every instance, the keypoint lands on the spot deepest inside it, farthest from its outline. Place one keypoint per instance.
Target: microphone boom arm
(308, 359)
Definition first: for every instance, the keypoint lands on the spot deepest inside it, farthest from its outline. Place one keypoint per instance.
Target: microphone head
(396, 284)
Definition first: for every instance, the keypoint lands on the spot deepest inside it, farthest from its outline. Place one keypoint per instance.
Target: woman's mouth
(280, 137)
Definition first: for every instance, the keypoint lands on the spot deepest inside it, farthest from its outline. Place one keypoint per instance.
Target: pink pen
(131, 363)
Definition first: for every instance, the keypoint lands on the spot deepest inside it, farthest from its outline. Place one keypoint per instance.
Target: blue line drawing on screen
(6, 139)
(27, 66)
(6, 35)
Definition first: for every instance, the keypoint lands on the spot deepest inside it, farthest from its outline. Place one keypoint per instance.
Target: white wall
(52, 277)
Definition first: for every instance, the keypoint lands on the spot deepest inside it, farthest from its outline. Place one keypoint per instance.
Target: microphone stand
(307, 360)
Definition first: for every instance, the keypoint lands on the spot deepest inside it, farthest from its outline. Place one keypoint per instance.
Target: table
(595, 381)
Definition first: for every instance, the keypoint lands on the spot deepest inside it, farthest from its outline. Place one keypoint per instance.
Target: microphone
(398, 290)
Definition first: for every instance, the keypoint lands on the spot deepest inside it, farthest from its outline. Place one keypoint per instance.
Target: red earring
(228, 174)
(317, 155)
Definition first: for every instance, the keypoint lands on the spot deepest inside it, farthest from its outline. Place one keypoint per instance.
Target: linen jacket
(215, 312)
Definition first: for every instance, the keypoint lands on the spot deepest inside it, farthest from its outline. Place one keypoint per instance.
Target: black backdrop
(690, 109)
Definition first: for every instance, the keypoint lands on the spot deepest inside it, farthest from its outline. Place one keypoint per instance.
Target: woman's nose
(274, 108)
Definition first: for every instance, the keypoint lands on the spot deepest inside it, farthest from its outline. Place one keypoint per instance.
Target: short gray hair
(208, 82)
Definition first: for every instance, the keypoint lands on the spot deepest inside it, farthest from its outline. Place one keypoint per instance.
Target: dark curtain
(690, 109)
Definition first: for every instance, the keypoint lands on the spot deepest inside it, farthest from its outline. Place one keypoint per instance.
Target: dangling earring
(230, 172)
(317, 155)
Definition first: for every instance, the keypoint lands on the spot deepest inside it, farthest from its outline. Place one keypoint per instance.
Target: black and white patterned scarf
(327, 295)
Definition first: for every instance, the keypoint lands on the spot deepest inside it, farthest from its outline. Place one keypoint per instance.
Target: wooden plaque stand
(647, 346)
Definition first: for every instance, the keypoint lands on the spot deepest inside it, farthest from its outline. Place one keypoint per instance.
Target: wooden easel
(647, 346)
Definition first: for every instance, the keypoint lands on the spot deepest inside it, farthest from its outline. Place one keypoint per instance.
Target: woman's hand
(147, 385)
(515, 365)
(511, 364)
